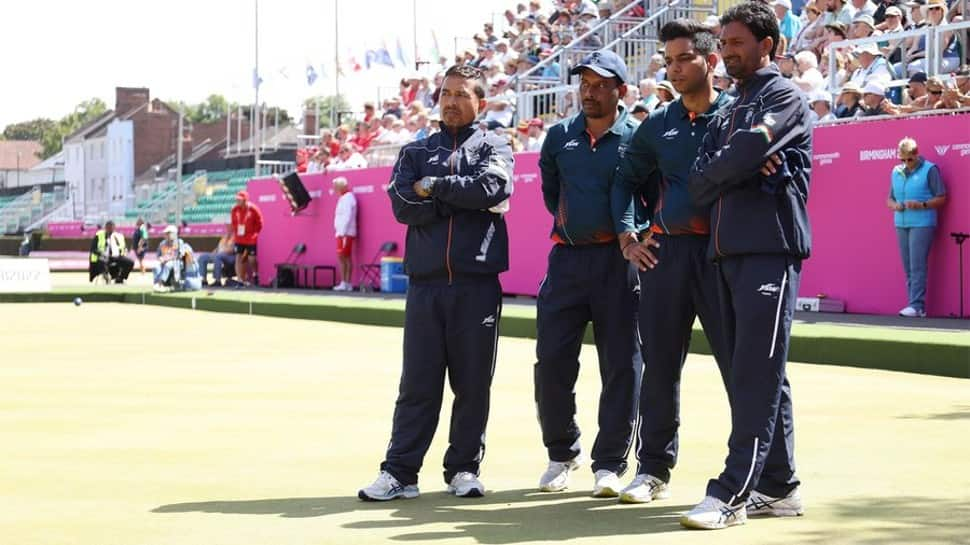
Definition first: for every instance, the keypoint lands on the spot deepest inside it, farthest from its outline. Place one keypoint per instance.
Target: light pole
(178, 172)
(255, 117)
(18, 169)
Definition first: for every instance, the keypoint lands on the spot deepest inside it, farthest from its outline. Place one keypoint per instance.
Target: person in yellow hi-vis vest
(108, 252)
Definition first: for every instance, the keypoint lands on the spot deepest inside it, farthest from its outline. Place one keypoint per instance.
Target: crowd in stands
(534, 30)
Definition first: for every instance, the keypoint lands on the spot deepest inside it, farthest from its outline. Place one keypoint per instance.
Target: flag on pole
(401, 55)
(311, 75)
(257, 81)
(384, 56)
(435, 52)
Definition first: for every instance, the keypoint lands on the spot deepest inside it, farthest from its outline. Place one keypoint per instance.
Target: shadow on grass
(912, 520)
(501, 517)
(961, 413)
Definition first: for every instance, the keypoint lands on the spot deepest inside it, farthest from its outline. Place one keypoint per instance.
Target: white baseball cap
(873, 88)
(783, 3)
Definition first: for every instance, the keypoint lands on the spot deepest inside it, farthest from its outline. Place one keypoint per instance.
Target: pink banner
(855, 256)
(528, 222)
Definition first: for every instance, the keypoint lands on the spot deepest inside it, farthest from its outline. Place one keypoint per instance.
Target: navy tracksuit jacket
(587, 280)
(457, 244)
(759, 237)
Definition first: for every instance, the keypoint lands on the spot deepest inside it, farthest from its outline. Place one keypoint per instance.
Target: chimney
(129, 98)
(310, 123)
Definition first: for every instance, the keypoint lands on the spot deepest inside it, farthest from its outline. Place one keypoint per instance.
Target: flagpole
(414, 31)
(334, 118)
(255, 117)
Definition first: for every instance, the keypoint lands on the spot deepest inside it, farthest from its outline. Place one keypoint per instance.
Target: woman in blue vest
(916, 193)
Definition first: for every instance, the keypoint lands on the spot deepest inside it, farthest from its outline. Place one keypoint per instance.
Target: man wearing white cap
(821, 104)
(872, 66)
(863, 26)
(788, 23)
(874, 101)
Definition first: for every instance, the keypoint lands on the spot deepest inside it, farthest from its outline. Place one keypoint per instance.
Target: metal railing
(273, 168)
(634, 39)
(24, 211)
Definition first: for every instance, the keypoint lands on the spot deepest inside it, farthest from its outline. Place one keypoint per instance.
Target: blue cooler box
(393, 279)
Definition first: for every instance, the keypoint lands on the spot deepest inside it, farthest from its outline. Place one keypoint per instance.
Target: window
(102, 149)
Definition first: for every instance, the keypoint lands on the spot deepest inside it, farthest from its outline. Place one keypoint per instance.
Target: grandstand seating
(213, 204)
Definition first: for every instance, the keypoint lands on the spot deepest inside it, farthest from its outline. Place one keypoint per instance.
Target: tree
(327, 104)
(29, 130)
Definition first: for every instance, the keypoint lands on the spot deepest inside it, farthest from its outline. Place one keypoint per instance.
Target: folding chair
(370, 273)
(289, 264)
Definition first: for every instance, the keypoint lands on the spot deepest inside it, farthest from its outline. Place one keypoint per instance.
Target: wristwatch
(427, 184)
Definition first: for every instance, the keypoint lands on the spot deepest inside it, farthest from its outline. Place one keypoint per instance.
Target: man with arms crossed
(451, 190)
(677, 280)
(754, 169)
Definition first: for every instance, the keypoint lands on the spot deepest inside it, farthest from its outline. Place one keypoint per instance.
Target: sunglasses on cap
(932, 92)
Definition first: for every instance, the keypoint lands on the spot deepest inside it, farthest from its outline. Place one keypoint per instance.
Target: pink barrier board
(855, 256)
(528, 222)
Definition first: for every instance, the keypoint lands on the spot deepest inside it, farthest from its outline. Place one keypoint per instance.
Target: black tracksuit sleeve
(773, 128)
(635, 170)
(550, 174)
(489, 186)
(409, 208)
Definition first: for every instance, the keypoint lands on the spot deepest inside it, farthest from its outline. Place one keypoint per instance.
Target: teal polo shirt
(658, 164)
(578, 176)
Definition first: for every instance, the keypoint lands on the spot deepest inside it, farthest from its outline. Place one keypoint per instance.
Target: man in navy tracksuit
(451, 190)
(678, 283)
(587, 280)
(753, 169)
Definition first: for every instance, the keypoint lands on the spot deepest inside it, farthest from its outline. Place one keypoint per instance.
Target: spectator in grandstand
(666, 93)
(399, 133)
(873, 67)
(536, 134)
(551, 70)
(386, 134)
(788, 23)
(422, 128)
(866, 7)
(345, 229)
(821, 103)
(223, 259)
(318, 161)
(369, 112)
(786, 65)
(648, 93)
(892, 22)
(632, 96)
(392, 106)
(139, 241)
(863, 26)
(176, 263)
(328, 142)
(832, 33)
(656, 69)
(812, 30)
(837, 11)
(917, 95)
(722, 81)
(362, 137)
(247, 222)
(935, 11)
(850, 101)
(874, 101)
(841, 73)
(640, 112)
(809, 78)
(951, 98)
(348, 159)
(500, 107)
(916, 193)
(962, 79)
(108, 253)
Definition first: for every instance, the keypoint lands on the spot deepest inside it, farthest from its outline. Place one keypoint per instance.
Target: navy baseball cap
(605, 63)
(919, 77)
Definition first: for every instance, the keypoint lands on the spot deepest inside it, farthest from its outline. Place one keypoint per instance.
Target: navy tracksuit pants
(588, 283)
(451, 328)
(757, 295)
(682, 287)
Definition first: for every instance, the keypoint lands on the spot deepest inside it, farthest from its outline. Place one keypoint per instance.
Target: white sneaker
(911, 312)
(644, 489)
(556, 477)
(606, 484)
(466, 485)
(714, 514)
(386, 487)
(340, 287)
(759, 504)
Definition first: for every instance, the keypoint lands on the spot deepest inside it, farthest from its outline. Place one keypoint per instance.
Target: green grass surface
(148, 425)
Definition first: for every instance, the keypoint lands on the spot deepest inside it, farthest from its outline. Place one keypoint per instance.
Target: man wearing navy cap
(588, 280)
